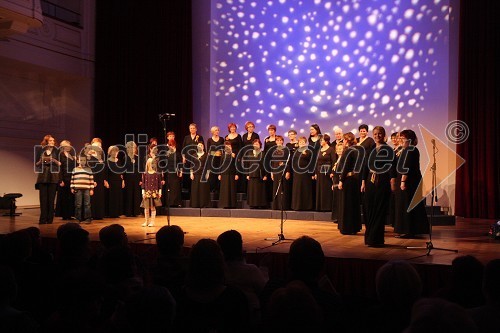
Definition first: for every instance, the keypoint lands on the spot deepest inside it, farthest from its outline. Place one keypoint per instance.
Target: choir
(359, 180)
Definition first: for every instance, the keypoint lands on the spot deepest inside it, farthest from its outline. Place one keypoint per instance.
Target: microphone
(166, 115)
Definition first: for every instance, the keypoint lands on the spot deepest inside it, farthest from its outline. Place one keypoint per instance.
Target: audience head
(467, 272)
(73, 240)
(113, 235)
(436, 315)
(491, 286)
(169, 240)
(206, 266)
(293, 309)
(16, 247)
(231, 244)
(306, 259)
(398, 284)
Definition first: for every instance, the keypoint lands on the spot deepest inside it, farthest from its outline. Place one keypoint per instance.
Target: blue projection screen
(334, 63)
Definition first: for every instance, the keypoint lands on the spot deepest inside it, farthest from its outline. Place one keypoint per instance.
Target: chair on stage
(10, 200)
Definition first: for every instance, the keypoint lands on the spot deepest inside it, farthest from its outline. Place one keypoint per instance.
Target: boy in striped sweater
(82, 185)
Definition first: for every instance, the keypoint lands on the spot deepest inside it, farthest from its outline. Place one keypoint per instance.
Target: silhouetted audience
(12, 320)
(247, 277)
(436, 315)
(465, 288)
(207, 303)
(486, 316)
(171, 265)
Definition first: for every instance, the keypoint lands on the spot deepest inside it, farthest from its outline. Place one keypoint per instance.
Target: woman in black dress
(133, 181)
(324, 174)
(281, 174)
(200, 188)
(349, 214)
(302, 179)
(189, 149)
(269, 142)
(247, 140)
(228, 178)
(234, 138)
(215, 146)
(65, 207)
(376, 183)
(256, 195)
(339, 148)
(48, 169)
(95, 160)
(114, 183)
(414, 222)
(173, 177)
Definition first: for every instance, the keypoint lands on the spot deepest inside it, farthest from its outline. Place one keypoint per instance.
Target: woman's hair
(409, 134)
(231, 125)
(46, 139)
(292, 131)
(248, 123)
(350, 139)
(96, 140)
(257, 141)
(380, 129)
(316, 127)
(326, 137)
(271, 127)
(365, 126)
(112, 149)
(302, 138)
(212, 130)
(170, 133)
(279, 137)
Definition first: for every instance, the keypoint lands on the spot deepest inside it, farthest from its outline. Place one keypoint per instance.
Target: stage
(349, 261)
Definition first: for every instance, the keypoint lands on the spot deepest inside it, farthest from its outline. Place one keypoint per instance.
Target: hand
(331, 175)
(162, 182)
(95, 184)
(180, 174)
(91, 192)
(340, 185)
(233, 155)
(272, 177)
(123, 184)
(159, 195)
(219, 177)
(106, 184)
(183, 160)
(287, 175)
(248, 177)
(403, 186)
(393, 186)
(264, 178)
(73, 191)
(191, 176)
(61, 183)
(363, 187)
(236, 177)
(314, 177)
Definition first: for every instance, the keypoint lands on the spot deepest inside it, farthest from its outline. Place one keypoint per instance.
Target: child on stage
(151, 193)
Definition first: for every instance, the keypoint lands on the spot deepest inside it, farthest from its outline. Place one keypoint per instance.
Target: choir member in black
(314, 138)
(376, 183)
(292, 146)
(302, 198)
(95, 160)
(324, 174)
(392, 206)
(153, 142)
(133, 180)
(234, 138)
(173, 175)
(339, 148)
(281, 175)
(269, 141)
(247, 140)
(200, 188)
(250, 135)
(228, 178)
(215, 146)
(189, 149)
(364, 140)
(65, 207)
(48, 169)
(414, 222)
(257, 176)
(114, 182)
(338, 136)
(349, 214)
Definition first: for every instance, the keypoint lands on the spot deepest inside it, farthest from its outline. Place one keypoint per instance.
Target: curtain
(478, 181)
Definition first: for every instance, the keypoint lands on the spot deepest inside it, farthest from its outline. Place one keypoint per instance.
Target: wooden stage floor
(468, 236)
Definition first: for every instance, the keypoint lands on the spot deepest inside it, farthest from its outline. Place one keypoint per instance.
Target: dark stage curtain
(143, 68)
(478, 181)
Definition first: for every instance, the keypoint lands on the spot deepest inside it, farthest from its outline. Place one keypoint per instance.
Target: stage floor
(468, 236)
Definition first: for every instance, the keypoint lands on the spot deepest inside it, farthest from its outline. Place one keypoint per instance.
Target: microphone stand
(280, 190)
(429, 246)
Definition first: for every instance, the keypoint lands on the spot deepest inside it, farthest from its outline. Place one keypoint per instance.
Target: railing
(60, 13)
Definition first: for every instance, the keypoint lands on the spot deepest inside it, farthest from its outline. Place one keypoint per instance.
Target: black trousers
(47, 192)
